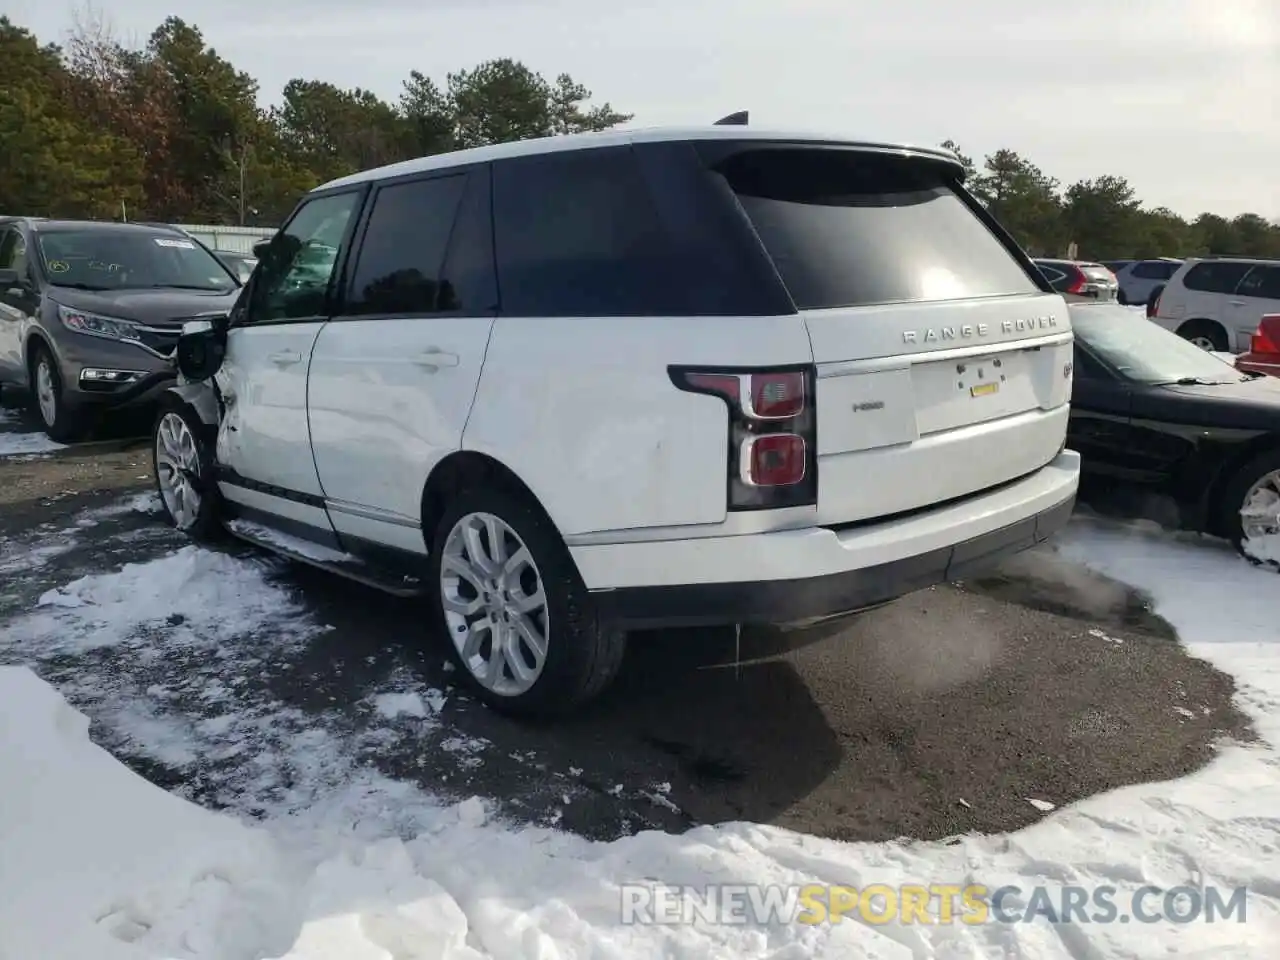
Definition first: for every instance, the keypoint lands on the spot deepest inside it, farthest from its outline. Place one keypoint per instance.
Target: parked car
(1140, 279)
(1150, 408)
(1263, 355)
(1216, 302)
(571, 387)
(1079, 278)
(241, 264)
(90, 312)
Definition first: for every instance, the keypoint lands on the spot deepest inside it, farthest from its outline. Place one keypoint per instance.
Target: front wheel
(520, 624)
(183, 467)
(1250, 509)
(61, 422)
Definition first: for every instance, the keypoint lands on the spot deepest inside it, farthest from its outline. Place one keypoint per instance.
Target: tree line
(173, 131)
(1103, 217)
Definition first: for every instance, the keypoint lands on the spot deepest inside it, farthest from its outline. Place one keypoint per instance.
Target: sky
(1181, 97)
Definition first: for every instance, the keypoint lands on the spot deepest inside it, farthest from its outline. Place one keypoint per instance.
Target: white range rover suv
(571, 387)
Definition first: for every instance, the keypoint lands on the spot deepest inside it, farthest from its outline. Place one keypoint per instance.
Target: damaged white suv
(571, 387)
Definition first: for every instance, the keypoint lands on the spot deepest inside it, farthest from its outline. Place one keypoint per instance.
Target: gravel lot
(942, 713)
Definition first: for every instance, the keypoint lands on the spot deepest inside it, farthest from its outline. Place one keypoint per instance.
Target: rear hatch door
(943, 365)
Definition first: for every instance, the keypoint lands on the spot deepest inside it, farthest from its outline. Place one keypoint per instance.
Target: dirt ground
(936, 715)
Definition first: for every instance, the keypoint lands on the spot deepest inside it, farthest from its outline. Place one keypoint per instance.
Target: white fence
(230, 239)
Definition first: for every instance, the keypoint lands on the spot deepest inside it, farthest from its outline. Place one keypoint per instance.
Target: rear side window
(847, 228)
(399, 266)
(1215, 276)
(1261, 282)
(1053, 274)
(576, 234)
(1155, 270)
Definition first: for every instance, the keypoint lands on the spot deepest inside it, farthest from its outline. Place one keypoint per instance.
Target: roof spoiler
(738, 119)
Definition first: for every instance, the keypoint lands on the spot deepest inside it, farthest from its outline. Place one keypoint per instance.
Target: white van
(571, 387)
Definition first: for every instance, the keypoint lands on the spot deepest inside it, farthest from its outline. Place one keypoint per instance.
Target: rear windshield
(849, 228)
(128, 260)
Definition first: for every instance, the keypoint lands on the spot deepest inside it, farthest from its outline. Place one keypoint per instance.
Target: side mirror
(261, 247)
(200, 350)
(13, 283)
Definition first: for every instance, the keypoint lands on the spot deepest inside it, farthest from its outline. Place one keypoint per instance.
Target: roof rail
(1240, 256)
(738, 119)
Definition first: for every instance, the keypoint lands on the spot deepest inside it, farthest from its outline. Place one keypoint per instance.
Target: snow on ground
(99, 864)
(14, 444)
(1265, 549)
(202, 708)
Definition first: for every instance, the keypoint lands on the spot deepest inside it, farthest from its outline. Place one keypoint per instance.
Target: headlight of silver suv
(97, 326)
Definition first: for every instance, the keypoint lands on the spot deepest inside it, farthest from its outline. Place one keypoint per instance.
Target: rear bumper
(808, 574)
(1259, 363)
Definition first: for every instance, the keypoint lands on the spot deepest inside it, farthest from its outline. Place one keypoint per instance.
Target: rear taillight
(1077, 283)
(1153, 305)
(772, 457)
(1267, 338)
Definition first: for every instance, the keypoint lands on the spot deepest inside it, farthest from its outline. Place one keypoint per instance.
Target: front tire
(61, 422)
(1249, 509)
(182, 463)
(519, 623)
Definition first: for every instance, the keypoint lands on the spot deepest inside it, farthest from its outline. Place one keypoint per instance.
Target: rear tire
(536, 598)
(62, 423)
(1205, 334)
(1255, 486)
(182, 464)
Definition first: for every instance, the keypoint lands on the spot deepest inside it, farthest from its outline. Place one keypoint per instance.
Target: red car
(1264, 350)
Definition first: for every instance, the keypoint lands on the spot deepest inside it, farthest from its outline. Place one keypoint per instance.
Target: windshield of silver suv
(127, 260)
(1141, 351)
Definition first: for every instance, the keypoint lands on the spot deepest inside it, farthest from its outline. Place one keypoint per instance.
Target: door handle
(1236, 303)
(285, 357)
(433, 358)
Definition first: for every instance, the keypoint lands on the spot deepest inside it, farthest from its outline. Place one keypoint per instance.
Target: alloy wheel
(495, 606)
(46, 394)
(177, 463)
(1260, 511)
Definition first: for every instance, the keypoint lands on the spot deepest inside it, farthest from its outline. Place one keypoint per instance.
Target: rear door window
(1155, 270)
(1215, 276)
(398, 270)
(850, 228)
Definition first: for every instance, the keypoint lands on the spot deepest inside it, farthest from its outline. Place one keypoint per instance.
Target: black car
(1150, 408)
(90, 312)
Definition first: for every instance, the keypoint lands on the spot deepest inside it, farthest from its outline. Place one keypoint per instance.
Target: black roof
(46, 225)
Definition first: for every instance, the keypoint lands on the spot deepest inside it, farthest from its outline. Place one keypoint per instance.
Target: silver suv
(90, 312)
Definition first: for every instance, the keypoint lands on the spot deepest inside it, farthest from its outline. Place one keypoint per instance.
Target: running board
(326, 558)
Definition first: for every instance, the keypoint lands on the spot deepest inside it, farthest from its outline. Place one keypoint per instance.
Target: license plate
(981, 377)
